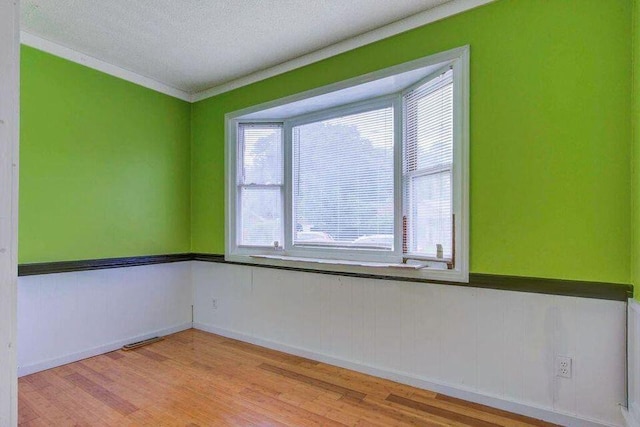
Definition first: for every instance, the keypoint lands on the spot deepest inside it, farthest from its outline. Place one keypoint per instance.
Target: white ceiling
(193, 45)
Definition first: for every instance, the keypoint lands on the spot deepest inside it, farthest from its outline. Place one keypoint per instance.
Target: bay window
(366, 176)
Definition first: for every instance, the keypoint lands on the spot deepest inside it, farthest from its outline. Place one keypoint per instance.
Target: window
(427, 168)
(260, 184)
(343, 181)
(368, 175)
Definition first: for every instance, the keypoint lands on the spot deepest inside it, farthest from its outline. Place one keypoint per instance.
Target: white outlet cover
(563, 367)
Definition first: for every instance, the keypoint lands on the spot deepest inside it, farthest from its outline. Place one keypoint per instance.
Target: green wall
(107, 169)
(104, 165)
(550, 132)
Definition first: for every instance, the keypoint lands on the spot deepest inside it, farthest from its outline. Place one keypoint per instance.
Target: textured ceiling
(193, 45)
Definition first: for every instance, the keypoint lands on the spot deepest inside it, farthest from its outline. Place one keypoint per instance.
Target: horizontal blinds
(343, 181)
(261, 153)
(427, 168)
(260, 181)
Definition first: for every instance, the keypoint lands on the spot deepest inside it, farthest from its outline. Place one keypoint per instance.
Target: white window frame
(405, 179)
(359, 260)
(354, 254)
(253, 249)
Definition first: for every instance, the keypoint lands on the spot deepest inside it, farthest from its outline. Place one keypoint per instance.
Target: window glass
(428, 163)
(260, 184)
(343, 186)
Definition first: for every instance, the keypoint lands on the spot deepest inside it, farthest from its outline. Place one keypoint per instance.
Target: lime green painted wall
(107, 170)
(635, 150)
(550, 132)
(104, 165)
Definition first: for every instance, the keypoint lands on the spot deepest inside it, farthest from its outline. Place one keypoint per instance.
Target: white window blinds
(343, 182)
(260, 181)
(427, 169)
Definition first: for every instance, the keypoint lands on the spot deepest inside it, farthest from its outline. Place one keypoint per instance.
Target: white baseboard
(458, 392)
(631, 414)
(74, 357)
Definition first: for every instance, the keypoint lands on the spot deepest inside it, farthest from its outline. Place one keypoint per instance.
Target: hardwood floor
(194, 378)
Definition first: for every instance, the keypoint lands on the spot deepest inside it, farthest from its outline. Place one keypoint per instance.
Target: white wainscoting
(70, 316)
(490, 346)
(632, 412)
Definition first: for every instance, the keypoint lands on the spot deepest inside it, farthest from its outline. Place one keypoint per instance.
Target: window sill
(412, 266)
(418, 271)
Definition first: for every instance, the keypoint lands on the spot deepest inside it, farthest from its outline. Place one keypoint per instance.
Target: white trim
(461, 96)
(443, 11)
(74, 357)
(9, 143)
(398, 178)
(428, 275)
(373, 264)
(56, 49)
(287, 176)
(404, 378)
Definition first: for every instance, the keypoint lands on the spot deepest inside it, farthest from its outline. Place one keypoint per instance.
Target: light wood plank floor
(194, 378)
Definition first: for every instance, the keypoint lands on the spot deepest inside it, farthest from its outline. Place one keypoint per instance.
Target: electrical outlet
(563, 367)
(214, 304)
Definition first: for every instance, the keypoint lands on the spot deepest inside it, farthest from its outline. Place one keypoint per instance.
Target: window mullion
(398, 135)
(288, 187)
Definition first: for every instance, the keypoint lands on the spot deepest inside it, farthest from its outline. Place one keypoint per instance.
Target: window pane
(428, 161)
(429, 125)
(431, 214)
(261, 161)
(261, 222)
(435, 128)
(343, 181)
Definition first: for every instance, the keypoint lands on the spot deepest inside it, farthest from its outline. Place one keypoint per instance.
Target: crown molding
(437, 13)
(53, 48)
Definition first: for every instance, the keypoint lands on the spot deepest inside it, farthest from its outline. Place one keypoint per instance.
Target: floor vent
(142, 343)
